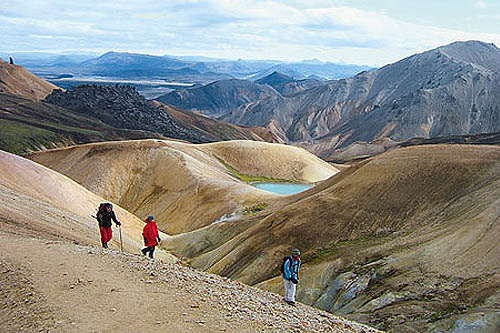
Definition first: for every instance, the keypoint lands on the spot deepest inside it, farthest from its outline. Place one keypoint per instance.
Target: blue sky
(358, 31)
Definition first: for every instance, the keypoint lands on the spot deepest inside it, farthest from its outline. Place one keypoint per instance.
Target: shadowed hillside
(186, 186)
(123, 107)
(404, 241)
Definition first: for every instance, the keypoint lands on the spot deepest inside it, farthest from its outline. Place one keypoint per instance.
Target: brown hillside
(186, 186)
(16, 80)
(407, 240)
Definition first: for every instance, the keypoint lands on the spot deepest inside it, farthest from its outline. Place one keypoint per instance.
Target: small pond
(283, 188)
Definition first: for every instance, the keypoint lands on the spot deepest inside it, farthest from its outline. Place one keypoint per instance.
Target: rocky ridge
(122, 107)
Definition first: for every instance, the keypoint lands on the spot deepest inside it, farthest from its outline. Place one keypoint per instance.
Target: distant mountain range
(222, 97)
(36, 115)
(171, 68)
(288, 86)
(451, 90)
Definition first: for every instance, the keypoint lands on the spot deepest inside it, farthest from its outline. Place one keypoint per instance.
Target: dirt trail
(89, 291)
(59, 286)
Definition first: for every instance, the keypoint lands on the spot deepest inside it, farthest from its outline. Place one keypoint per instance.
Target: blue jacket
(292, 269)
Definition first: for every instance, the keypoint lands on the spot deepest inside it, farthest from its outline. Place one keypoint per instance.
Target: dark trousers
(150, 249)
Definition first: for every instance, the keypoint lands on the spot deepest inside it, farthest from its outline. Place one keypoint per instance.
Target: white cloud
(480, 4)
(273, 29)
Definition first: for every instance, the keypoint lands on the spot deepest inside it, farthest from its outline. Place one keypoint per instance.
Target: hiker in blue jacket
(290, 275)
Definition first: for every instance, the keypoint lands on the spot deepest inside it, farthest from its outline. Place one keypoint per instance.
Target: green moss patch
(252, 178)
(17, 137)
(255, 209)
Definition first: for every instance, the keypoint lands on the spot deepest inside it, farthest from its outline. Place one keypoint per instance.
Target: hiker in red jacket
(151, 237)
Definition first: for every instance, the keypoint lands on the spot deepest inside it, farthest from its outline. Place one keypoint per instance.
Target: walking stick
(95, 217)
(121, 242)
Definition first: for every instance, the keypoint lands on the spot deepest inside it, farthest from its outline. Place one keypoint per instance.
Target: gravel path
(59, 286)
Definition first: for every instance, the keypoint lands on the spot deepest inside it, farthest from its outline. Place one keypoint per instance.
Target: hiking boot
(105, 245)
(292, 303)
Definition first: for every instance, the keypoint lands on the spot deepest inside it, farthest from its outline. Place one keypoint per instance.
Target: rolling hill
(402, 241)
(52, 204)
(186, 186)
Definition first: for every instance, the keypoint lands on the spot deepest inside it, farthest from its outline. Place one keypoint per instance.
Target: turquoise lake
(283, 188)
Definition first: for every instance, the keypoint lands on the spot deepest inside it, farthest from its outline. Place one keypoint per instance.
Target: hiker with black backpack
(290, 272)
(104, 216)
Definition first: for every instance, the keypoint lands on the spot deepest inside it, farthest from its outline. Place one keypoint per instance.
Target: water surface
(283, 188)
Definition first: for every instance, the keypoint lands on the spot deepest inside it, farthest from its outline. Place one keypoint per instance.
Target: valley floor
(62, 286)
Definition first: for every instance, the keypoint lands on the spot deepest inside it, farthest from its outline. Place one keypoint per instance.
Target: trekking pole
(98, 229)
(121, 242)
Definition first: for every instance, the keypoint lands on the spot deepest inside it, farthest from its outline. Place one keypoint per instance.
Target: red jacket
(150, 233)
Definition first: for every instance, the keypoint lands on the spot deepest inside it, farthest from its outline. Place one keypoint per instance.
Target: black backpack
(104, 205)
(283, 263)
(102, 209)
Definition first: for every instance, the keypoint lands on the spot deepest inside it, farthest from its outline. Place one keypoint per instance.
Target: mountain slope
(16, 80)
(185, 186)
(451, 90)
(57, 286)
(403, 241)
(219, 97)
